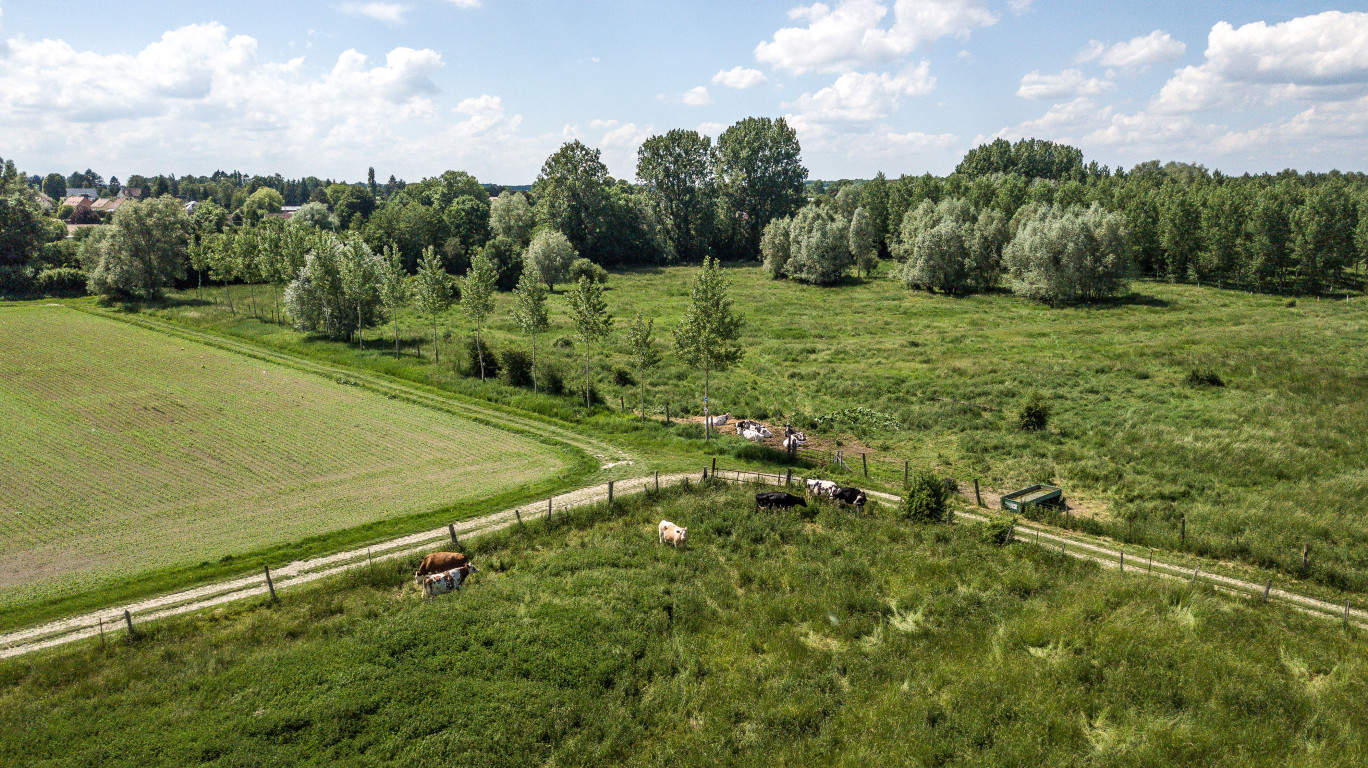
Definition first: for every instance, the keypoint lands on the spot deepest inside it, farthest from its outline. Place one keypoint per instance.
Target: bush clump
(473, 353)
(1034, 414)
(61, 281)
(516, 367)
(1203, 377)
(997, 529)
(927, 498)
(585, 268)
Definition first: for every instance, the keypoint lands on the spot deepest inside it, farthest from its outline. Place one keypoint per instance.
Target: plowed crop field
(124, 451)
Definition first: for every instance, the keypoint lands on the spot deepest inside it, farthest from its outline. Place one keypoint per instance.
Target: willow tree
(529, 310)
(477, 298)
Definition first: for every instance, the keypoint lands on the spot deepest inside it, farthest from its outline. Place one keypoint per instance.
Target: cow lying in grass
(438, 562)
(717, 421)
(778, 499)
(672, 534)
(447, 581)
(753, 430)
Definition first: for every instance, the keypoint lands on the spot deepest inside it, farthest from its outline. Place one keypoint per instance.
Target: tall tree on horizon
(759, 175)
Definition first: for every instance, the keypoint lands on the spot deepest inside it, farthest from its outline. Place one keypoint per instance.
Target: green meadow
(771, 638)
(1243, 414)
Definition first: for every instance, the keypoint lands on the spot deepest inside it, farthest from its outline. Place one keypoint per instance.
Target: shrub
(1034, 414)
(60, 281)
(491, 359)
(997, 529)
(927, 498)
(552, 382)
(586, 268)
(517, 367)
(1203, 377)
(623, 378)
(563, 342)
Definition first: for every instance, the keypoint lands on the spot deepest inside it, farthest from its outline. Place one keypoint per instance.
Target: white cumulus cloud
(390, 13)
(863, 97)
(1067, 84)
(852, 34)
(740, 78)
(697, 97)
(1158, 46)
(465, 3)
(1324, 56)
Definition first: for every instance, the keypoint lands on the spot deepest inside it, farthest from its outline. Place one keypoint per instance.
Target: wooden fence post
(865, 463)
(548, 507)
(518, 515)
(1346, 609)
(1306, 551)
(667, 414)
(1182, 532)
(1123, 562)
(788, 477)
(269, 584)
(1267, 588)
(657, 479)
(128, 618)
(102, 639)
(977, 498)
(714, 465)
(905, 469)
(1196, 571)
(610, 491)
(622, 402)
(451, 528)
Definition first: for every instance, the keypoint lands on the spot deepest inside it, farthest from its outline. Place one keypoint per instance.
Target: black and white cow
(853, 496)
(779, 499)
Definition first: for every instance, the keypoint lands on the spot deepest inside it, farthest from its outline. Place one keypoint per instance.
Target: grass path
(111, 621)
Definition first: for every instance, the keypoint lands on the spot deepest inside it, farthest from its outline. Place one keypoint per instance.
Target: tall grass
(1259, 467)
(772, 638)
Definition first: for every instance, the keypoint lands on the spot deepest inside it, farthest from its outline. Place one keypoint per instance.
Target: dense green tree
(1069, 255)
(441, 191)
(1032, 158)
(589, 312)
(1224, 211)
(550, 256)
(262, 202)
(468, 219)
(1323, 237)
(940, 258)
(864, 241)
(572, 196)
(675, 171)
(1269, 241)
(507, 258)
(1180, 233)
(408, 225)
(709, 335)
(337, 291)
(314, 215)
(759, 175)
(350, 203)
(776, 247)
(511, 216)
(141, 251)
(874, 199)
(819, 242)
(54, 186)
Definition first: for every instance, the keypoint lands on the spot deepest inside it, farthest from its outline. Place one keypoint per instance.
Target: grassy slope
(1271, 461)
(131, 452)
(770, 639)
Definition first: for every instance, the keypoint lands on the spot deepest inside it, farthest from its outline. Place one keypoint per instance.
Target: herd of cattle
(443, 572)
(756, 432)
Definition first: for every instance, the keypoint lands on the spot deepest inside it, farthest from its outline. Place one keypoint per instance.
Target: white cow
(717, 421)
(753, 430)
(821, 487)
(672, 534)
(447, 581)
(792, 443)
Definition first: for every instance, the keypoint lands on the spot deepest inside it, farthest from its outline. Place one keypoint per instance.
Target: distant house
(81, 192)
(109, 204)
(78, 201)
(286, 212)
(43, 200)
(137, 193)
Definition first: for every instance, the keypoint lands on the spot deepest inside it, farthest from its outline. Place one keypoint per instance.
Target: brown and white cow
(447, 581)
(672, 534)
(437, 562)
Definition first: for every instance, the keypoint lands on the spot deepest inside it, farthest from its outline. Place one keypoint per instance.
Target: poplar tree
(592, 320)
(641, 342)
(709, 335)
(395, 291)
(477, 297)
(433, 292)
(529, 310)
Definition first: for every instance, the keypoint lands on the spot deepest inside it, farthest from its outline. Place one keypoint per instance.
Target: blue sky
(414, 87)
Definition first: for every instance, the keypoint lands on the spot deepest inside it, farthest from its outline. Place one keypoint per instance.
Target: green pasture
(129, 452)
(1269, 462)
(774, 638)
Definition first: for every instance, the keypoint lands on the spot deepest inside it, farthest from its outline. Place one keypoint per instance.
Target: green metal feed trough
(1036, 494)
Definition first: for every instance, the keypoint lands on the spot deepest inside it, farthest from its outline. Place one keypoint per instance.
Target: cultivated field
(127, 451)
(770, 639)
